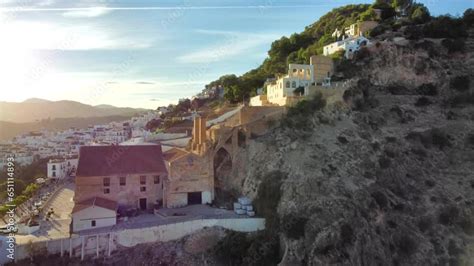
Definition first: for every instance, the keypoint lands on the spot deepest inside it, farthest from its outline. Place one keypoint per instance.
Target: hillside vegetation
(384, 177)
(299, 47)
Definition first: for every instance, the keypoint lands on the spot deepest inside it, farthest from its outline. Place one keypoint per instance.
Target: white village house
(93, 213)
(61, 168)
(350, 39)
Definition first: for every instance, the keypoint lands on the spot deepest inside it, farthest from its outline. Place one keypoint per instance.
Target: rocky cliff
(386, 177)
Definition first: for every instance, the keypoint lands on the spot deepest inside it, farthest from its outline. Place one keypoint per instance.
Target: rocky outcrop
(387, 178)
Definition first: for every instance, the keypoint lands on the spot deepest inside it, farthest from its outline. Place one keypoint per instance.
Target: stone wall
(127, 195)
(103, 244)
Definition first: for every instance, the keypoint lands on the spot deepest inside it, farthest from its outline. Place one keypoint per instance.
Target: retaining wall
(105, 243)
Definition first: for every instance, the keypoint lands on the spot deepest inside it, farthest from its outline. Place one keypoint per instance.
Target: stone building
(293, 87)
(130, 175)
(323, 67)
(189, 179)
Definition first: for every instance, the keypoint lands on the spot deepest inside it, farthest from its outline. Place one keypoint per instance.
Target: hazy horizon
(145, 54)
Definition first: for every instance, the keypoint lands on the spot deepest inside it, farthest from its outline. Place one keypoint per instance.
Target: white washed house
(94, 213)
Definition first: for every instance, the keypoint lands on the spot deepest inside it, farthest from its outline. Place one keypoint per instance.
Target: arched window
(293, 84)
(287, 84)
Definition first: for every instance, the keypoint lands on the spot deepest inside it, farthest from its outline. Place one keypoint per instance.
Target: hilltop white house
(350, 39)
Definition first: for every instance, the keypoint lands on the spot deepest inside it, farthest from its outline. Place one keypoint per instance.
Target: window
(156, 179)
(123, 180)
(293, 84)
(106, 181)
(106, 190)
(93, 223)
(54, 174)
(142, 180)
(287, 84)
(142, 189)
(54, 167)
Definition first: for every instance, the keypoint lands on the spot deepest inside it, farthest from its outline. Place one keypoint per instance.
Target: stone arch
(222, 170)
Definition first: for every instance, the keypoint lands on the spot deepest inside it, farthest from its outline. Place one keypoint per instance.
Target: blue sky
(144, 53)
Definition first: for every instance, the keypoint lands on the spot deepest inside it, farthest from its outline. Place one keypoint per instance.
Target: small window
(142, 180)
(287, 84)
(54, 174)
(156, 179)
(142, 189)
(293, 84)
(54, 167)
(93, 223)
(106, 190)
(106, 181)
(123, 180)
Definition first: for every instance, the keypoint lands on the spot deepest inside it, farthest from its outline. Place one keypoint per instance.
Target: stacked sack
(244, 206)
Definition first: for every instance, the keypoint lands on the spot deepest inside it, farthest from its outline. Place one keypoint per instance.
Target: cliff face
(385, 178)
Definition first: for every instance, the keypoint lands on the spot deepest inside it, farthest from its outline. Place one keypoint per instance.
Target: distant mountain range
(9, 130)
(35, 110)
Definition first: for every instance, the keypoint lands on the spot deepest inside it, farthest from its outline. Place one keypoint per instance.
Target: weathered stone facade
(127, 195)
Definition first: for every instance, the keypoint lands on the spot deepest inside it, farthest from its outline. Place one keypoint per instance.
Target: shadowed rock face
(383, 179)
(222, 172)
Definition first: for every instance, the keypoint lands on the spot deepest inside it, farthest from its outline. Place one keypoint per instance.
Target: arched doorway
(222, 171)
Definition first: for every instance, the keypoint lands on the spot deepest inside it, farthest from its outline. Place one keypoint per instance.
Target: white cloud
(25, 35)
(87, 13)
(27, 8)
(232, 44)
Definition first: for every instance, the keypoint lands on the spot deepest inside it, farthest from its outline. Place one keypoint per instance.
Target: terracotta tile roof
(96, 201)
(116, 160)
(173, 154)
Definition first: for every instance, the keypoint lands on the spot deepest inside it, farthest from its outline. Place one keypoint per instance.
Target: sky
(145, 54)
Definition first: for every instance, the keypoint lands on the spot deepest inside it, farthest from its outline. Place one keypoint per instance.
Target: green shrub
(470, 139)
(380, 29)
(264, 250)
(380, 198)
(419, 13)
(425, 223)
(422, 101)
(3, 210)
(346, 233)
(449, 215)
(268, 197)
(427, 89)
(460, 83)
(237, 248)
(468, 17)
(406, 244)
(30, 189)
(462, 99)
(297, 116)
(232, 248)
(293, 226)
(384, 162)
(439, 138)
(454, 45)
(413, 32)
(445, 27)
